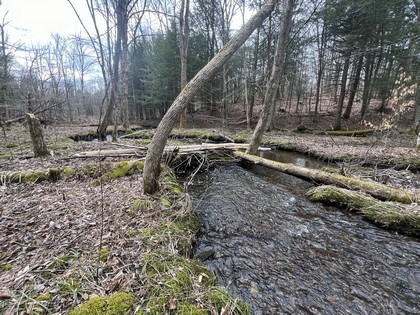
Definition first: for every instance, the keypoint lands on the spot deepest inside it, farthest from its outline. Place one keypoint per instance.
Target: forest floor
(91, 232)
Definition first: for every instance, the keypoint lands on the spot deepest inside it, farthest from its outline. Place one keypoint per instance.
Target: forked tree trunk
(276, 75)
(37, 136)
(154, 154)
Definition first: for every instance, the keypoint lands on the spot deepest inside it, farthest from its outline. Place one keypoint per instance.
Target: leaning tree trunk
(154, 154)
(37, 136)
(276, 75)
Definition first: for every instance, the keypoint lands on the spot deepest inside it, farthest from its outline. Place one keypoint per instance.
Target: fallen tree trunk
(180, 150)
(350, 133)
(376, 190)
(392, 215)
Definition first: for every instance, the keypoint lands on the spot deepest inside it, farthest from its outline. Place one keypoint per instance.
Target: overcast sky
(33, 21)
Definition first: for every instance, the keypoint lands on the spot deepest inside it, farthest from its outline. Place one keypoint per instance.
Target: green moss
(391, 215)
(11, 145)
(240, 139)
(35, 177)
(120, 303)
(68, 171)
(165, 201)
(176, 189)
(69, 286)
(187, 286)
(142, 205)
(122, 170)
(63, 261)
(6, 267)
(44, 297)
(104, 254)
(94, 306)
(126, 168)
(219, 299)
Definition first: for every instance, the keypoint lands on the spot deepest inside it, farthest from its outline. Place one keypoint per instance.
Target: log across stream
(285, 255)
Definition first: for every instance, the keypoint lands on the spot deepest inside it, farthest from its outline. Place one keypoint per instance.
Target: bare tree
(154, 153)
(275, 78)
(184, 28)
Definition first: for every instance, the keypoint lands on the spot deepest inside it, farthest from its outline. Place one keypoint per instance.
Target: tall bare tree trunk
(124, 75)
(253, 85)
(337, 124)
(276, 75)
(354, 86)
(183, 47)
(154, 153)
(121, 11)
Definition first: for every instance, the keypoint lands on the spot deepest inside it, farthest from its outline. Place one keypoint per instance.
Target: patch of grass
(63, 261)
(69, 286)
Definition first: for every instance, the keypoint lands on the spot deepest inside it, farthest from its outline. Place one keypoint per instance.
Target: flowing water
(285, 255)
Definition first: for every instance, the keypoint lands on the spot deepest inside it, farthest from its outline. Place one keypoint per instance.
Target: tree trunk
(377, 190)
(321, 63)
(354, 86)
(253, 85)
(183, 48)
(276, 75)
(121, 12)
(154, 154)
(337, 124)
(124, 77)
(366, 89)
(37, 136)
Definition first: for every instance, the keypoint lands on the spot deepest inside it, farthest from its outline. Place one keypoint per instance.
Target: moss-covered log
(392, 215)
(376, 190)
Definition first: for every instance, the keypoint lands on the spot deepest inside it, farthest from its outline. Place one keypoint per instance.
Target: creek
(285, 255)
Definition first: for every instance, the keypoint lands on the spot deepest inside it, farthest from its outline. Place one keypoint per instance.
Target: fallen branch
(180, 150)
(350, 133)
(376, 190)
(392, 215)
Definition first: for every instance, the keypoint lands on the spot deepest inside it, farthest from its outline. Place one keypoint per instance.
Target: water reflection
(284, 255)
(292, 157)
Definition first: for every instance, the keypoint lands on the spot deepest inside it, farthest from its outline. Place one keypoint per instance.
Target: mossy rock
(121, 303)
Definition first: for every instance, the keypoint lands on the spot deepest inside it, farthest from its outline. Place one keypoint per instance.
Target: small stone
(5, 294)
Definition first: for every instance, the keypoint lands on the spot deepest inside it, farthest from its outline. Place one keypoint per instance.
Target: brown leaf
(172, 304)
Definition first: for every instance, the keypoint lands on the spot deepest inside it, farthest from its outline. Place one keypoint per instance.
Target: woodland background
(344, 59)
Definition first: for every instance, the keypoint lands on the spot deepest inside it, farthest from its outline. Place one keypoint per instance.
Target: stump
(37, 136)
